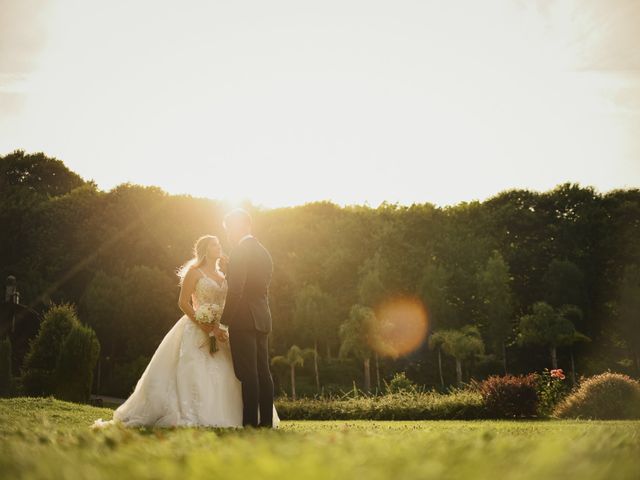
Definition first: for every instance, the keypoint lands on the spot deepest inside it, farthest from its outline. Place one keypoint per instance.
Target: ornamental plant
(551, 388)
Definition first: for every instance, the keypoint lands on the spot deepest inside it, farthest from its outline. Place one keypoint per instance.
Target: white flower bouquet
(210, 313)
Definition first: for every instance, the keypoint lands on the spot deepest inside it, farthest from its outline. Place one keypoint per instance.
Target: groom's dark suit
(247, 314)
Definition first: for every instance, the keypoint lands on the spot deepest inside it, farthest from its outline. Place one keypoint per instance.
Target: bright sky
(285, 102)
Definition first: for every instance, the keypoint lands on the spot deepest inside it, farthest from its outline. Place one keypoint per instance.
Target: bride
(184, 384)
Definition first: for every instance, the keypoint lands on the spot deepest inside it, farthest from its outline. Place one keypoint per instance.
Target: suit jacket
(248, 278)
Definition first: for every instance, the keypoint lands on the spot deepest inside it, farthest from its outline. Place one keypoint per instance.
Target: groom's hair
(236, 217)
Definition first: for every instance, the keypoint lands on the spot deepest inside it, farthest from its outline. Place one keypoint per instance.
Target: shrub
(6, 380)
(459, 404)
(74, 371)
(608, 396)
(38, 374)
(400, 384)
(510, 396)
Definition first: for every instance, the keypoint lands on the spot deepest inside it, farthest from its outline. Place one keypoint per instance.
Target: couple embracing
(212, 367)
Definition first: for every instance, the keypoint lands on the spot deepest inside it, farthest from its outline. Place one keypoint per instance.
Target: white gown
(185, 385)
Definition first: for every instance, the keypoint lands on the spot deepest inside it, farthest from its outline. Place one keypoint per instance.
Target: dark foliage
(38, 375)
(6, 378)
(115, 254)
(510, 396)
(77, 360)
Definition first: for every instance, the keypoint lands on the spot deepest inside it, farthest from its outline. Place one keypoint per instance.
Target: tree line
(518, 282)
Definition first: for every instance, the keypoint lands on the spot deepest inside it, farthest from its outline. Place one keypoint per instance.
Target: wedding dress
(184, 384)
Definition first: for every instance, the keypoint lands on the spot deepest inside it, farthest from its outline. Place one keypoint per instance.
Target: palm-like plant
(461, 344)
(436, 340)
(294, 358)
(551, 328)
(310, 315)
(357, 334)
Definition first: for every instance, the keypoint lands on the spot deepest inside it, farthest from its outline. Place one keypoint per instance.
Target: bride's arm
(184, 301)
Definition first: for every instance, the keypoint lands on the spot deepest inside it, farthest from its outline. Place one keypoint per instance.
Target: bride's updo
(199, 255)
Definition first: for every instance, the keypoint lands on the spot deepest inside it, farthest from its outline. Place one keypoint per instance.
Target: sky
(284, 102)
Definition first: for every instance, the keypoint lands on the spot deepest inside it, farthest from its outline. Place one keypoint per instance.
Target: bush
(608, 396)
(6, 380)
(510, 396)
(459, 404)
(38, 373)
(400, 384)
(74, 371)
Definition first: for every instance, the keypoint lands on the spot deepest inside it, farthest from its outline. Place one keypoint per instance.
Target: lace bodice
(209, 290)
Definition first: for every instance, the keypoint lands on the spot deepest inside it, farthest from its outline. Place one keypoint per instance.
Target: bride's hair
(199, 255)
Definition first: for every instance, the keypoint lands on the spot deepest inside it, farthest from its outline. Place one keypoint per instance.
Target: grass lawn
(46, 438)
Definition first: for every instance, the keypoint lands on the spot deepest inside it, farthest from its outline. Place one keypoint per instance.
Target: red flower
(558, 373)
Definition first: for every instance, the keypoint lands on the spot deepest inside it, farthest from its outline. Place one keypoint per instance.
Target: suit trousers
(250, 351)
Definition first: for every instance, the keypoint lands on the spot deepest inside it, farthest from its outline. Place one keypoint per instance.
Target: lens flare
(401, 327)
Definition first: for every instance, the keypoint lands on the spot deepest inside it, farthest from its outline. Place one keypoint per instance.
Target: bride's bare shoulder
(192, 275)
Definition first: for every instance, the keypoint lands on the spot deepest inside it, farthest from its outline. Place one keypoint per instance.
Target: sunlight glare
(401, 327)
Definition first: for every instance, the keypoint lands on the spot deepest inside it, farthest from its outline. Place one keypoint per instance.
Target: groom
(247, 314)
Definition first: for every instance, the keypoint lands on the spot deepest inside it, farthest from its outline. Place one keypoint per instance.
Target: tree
(38, 375)
(312, 306)
(101, 306)
(436, 340)
(628, 306)
(574, 315)
(37, 173)
(549, 328)
(76, 363)
(358, 334)
(6, 379)
(127, 323)
(564, 284)
(371, 292)
(370, 288)
(496, 303)
(433, 291)
(461, 344)
(570, 246)
(294, 358)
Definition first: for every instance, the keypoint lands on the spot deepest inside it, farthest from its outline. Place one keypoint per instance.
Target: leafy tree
(567, 246)
(371, 293)
(294, 358)
(436, 340)
(628, 306)
(37, 173)
(497, 303)
(312, 307)
(358, 333)
(574, 315)
(38, 376)
(6, 379)
(564, 284)
(521, 229)
(101, 305)
(434, 293)
(549, 328)
(370, 288)
(462, 344)
(76, 363)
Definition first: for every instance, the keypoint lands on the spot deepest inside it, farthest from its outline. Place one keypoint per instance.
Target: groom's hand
(223, 263)
(220, 334)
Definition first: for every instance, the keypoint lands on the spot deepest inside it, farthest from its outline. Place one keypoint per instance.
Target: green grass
(46, 438)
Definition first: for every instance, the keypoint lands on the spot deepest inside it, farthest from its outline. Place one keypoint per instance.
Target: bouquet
(210, 313)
